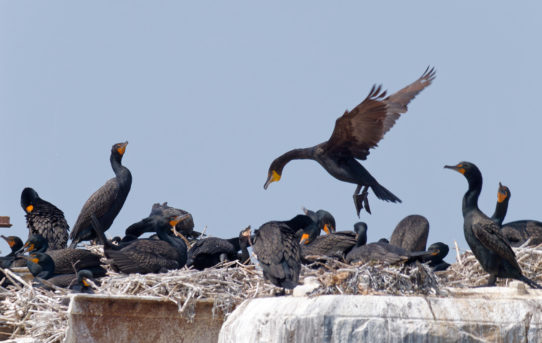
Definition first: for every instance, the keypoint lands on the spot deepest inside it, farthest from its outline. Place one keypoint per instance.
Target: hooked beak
(272, 177)
(173, 222)
(304, 239)
(458, 168)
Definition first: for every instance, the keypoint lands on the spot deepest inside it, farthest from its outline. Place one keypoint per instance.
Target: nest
(42, 314)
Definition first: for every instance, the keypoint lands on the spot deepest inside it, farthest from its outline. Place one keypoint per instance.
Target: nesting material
(42, 315)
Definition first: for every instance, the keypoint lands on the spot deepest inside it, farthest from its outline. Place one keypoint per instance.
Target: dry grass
(42, 314)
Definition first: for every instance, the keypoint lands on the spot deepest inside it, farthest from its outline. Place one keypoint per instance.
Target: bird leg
(362, 200)
(492, 280)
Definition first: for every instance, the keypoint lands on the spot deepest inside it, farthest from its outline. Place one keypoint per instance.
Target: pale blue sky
(209, 93)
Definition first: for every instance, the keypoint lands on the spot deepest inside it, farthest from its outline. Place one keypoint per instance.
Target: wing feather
(490, 235)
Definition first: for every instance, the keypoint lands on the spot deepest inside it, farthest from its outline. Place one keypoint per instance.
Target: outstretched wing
(362, 128)
(489, 234)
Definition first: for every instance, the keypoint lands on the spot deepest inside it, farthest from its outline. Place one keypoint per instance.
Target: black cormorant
(106, 202)
(11, 259)
(519, 231)
(411, 233)
(323, 219)
(355, 133)
(335, 244)
(40, 265)
(277, 249)
(436, 262)
(147, 255)
(380, 251)
(483, 235)
(66, 261)
(45, 219)
(210, 251)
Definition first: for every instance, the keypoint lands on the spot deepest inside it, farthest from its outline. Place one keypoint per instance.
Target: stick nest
(41, 314)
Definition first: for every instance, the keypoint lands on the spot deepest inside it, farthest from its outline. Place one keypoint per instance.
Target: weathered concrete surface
(100, 318)
(475, 315)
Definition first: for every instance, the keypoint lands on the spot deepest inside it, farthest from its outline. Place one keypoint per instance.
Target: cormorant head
(383, 240)
(29, 198)
(439, 249)
(174, 219)
(14, 242)
(35, 242)
(503, 193)
(119, 149)
(274, 173)
(309, 234)
(245, 235)
(360, 229)
(468, 169)
(84, 276)
(326, 221)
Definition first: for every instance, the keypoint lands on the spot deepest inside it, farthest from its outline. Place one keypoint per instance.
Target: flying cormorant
(106, 202)
(277, 249)
(483, 235)
(354, 134)
(45, 219)
(411, 233)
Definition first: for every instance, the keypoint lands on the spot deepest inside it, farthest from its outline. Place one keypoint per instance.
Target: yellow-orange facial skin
(35, 260)
(122, 148)
(460, 168)
(29, 208)
(85, 283)
(11, 243)
(327, 229)
(501, 196)
(272, 177)
(304, 239)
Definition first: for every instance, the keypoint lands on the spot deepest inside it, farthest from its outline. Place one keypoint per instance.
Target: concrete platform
(100, 318)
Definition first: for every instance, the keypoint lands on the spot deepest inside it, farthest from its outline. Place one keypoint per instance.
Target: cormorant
(42, 266)
(380, 251)
(147, 255)
(82, 284)
(45, 219)
(436, 262)
(519, 231)
(185, 226)
(335, 244)
(411, 233)
(483, 235)
(354, 134)
(210, 251)
(323, 219)
(11, 259)
(277, 249)
(66, 261)
(106, 202)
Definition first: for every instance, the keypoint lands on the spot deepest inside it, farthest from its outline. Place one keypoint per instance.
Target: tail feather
(383, 194)
(530, 282)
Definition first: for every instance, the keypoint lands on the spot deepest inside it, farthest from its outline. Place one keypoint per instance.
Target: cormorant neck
(245, 255)
(295, 154)
(235, 242)
(172, 240)
(116, 163)
(300, 221)
(362, 238)
(470, 200)
(500, 211)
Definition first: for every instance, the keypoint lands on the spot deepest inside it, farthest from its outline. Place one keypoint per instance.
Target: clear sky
(209, 93)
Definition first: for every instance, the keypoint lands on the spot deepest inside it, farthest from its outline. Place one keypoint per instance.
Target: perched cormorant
(45, 219)
(210, 251)
(380, 251)
(82, 284)
(323, 219)
(503, 197)
(40, 265)
(185, 226)
(335, 244)
(436, 262)
(277, 249)
(147, 255)
(11, 259)
(483, 235)
(355, 133)
(411, 233)
(66, 261)
(519, 231)
(106, 202)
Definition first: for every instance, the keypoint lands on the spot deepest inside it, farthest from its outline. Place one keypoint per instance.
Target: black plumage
(41, 265)
(210, 251)
(67, 261)
(147, 255)
(517, 232)
(12, 259)
(354, 134)
(277, 249)
(106, 202)
(436, 261)
(334, 244)
(483, 235)
(185, 226)
(380, 251)
(44, 218)
(411, 233)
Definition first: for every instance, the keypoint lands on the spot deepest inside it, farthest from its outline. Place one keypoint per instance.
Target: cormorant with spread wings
(355, 133)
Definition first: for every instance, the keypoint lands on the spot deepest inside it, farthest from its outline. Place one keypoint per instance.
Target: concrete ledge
(101, 318)
(480, 315)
